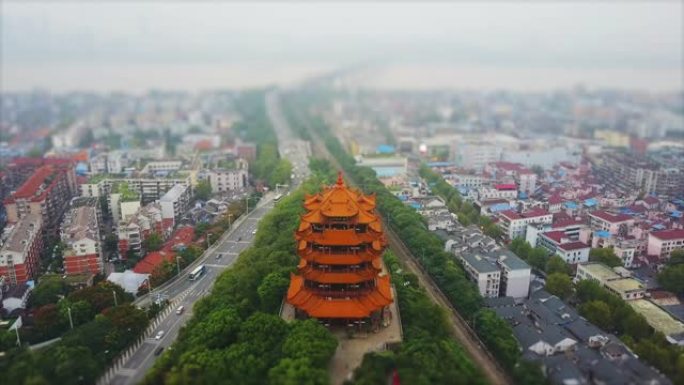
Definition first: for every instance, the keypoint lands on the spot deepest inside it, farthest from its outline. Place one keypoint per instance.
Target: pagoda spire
(340, 180)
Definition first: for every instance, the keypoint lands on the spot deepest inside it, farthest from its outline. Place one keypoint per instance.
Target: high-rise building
(340, 241)
(20, 251)
(46, 192)
(81, 233)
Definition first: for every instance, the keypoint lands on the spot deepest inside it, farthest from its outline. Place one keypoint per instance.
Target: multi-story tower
(340, 241)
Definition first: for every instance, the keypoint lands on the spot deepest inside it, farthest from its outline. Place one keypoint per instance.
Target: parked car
(159, 351)
(180, 310)
(159, 335)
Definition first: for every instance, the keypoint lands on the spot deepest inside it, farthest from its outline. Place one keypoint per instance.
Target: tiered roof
(340, 230)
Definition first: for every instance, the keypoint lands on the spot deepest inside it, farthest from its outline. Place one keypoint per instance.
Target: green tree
(672, 278)
(676, 257)
(606, 256)
(559, 284)
(598, 313)
(498, 336)
(49, 290)
(111, 243)
(556, 264)
(203, 190)
(281, 174)
(298, 371)
(271, 291)
(218, 330)
(310, 340)
(153, 242)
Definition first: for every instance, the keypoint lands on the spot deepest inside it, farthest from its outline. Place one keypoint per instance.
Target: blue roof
(415, 205)
(570, 205)
(659, 226)
(522, 195)
(590, 202)
(402, 197)
(602, 234)
(676, 214)
(439, 164)
(499, 207)
(385, 149)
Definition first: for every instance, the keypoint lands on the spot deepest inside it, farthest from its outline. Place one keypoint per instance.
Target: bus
(277, 197)
(199, 270)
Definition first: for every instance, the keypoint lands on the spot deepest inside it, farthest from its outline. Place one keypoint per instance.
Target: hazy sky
(130, 46)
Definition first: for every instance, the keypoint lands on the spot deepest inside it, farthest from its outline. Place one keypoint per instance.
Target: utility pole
(178, 264)
(116, 303)
(71, 321)
(208, 243)
(18, 338)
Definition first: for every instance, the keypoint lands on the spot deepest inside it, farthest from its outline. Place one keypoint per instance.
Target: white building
(227, 180)
(484, 273)
(162, 166)
(516, 275)
(112, 162)
(476, 155)
(514, 224)
(175, 202)
(558, 242)
(662, 243)
(625, 287)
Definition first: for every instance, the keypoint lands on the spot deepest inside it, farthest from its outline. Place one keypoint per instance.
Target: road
(461, 331)
(186, 293)
(219, 257)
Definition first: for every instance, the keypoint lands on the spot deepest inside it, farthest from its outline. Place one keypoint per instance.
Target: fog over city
(495, 45)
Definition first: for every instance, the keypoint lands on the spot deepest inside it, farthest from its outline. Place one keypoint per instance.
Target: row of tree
(235, 335)
(256, 127)
(101, 330)
(429, 250)
(428, 354)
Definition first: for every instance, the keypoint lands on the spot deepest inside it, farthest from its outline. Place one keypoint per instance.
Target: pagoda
(340, 242)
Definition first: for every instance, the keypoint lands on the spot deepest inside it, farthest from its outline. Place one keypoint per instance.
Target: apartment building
(81, 233)
(162, 166)
(516, 274)
(46, 192)
(20, 250)
(149, 189)
(222, 180)
(175, 203)
(514, 224)
(483, 272)
(625, 287)
(557, 242)
(136, 228)
(662, 243)
(615, 224)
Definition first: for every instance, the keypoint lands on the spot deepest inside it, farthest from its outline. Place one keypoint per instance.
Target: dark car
(159, 351)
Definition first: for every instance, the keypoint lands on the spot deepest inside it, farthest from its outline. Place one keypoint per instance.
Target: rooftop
(22, 232)
(173, 194)
(658, 318)
(624, 285)
(610, 217)
(600, 271)
(573, 246)
(479, 262)
(667, 235)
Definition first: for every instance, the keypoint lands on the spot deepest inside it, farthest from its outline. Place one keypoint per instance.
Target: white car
(159, 335)
(253, 232)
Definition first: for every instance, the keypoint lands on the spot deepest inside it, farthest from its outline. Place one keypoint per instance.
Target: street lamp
(230, 216)
(208, 242)
(116, 303)
(178, 264)
(71, 321)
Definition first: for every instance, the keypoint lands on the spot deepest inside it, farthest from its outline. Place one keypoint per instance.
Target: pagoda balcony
(329, 277)
(330, 237)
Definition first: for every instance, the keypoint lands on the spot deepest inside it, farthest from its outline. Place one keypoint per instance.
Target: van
(180, 310)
